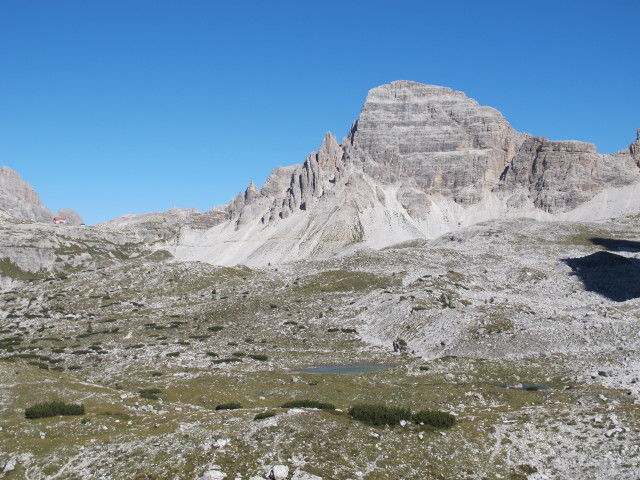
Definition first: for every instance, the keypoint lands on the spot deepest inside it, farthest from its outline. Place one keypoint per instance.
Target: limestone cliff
(19, 199)
(421, 160)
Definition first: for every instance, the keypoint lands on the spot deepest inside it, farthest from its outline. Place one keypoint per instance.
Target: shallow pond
(343, 369)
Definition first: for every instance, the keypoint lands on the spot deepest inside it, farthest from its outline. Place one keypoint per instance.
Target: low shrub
(379, 414)
(229, 406)
(53, 409)
(199, 337)
(173, 354)
(150, 390)
(309, 404)
(435, 418)
(215, 328)
(260, 357)
(211, 354)
(227, 360)
(40, 365)
(262, 415)
(150, 393)
(349, 330)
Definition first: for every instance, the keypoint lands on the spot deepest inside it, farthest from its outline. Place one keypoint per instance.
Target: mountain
(19, 200)
(420, 161)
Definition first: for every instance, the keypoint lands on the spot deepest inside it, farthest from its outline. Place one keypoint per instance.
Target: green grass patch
(229, 406)
(343, 281)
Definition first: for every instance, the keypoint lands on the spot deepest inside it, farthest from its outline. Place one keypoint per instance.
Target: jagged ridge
(421, 160)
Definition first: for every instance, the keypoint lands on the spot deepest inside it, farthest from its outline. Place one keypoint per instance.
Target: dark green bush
(259, 356)
(309, 404)
(151, 390)
(149, 396)
(262, 415)
(199, 337)
(435, 418)
(53, 409)
(424, 369)
(215, 328)
(229, 406)
(211, 354)
(378, 414)
(349, 330)
(173, 354)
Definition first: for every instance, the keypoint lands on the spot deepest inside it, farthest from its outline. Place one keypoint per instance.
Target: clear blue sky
(113, 107)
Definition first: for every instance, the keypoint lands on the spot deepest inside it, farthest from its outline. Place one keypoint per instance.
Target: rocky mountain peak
(20, 200)
(634, 149)
(420, 160)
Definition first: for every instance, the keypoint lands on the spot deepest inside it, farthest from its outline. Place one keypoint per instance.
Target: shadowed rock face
(19, 199)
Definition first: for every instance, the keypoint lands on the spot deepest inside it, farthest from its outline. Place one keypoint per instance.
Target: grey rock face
(421, 160)
(440, 140)
(561, 175)
(19, 199)
(72, 217)
(163, 226)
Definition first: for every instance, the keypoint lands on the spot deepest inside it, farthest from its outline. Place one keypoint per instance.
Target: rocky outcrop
(163, 226)
(634, 149)
(71, 216)
(19, 199)
(559, 176)
(421, 160)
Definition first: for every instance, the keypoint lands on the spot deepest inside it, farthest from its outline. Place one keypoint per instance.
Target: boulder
(300, 475)
(213, 475)
(279, 472)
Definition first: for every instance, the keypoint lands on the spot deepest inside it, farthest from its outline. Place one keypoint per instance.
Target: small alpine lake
(343, 369)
